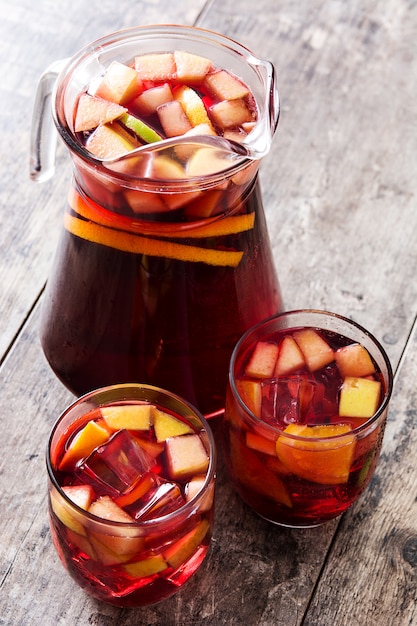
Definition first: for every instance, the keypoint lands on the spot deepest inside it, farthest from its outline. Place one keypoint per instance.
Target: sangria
(131, 489)
(164, 260)
(305, 414)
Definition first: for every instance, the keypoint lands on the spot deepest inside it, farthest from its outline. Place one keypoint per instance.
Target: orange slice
(213, 227)
(128, 242)
(192, 104)
(319, 456)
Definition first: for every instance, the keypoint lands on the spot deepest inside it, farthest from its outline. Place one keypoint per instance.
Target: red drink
(305, 416)
(131, 489)
(165, 242)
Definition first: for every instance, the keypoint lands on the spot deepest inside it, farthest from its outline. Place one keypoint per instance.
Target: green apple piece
(316, 351)
(142, 130)
(110, 142)
(354, 360)
(146, 567)
(119, 84)
(186, 456)
(230, 113)
(166, 425)
(129, 416)
(290, 357)
(183, 549)
(359, 397)
(263, 360)
(225, 86)
(93, 111)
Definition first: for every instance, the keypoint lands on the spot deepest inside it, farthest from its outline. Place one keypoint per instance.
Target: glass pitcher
(161, 266)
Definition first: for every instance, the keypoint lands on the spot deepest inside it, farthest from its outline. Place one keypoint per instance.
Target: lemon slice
(193, 105)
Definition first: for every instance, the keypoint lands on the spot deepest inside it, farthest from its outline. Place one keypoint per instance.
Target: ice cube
(115, 466)
(161, 498)
(292, 399)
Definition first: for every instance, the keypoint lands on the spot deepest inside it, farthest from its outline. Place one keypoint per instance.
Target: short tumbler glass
(306, 408)
(131, 492)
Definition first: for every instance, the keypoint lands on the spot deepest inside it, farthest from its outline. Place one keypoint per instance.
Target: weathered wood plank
(379, 534)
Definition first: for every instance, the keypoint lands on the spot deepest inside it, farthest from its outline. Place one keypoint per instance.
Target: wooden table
(340, 188)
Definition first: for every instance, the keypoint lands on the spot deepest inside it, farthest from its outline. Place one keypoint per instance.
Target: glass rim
(125, 36)
(162, 520)
(280, 431)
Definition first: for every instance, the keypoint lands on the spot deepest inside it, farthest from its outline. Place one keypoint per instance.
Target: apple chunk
(93, 111)
(359, 397)
(290, 357)
(230, 113)
(225, 86)
(156, 67)
(173, 119)
(186, 456)
(166, 425)
(110, 142)
(316, 351)
(263, 360)
(354, 360)
(119, 84)
(180, 551)
(129, 416)
(191, 68)
(148, 101)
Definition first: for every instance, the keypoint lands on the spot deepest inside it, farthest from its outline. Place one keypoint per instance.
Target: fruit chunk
(261, 444)
(230, 113)
(129, 416)
(93, 111)
(148, 101)
(290, 357)
(192, 104)
(225, 86)
(107, 509)
(252, 472)
(179, 552)
(84, 442)
(157, 67)
(206, 161)
(166, 425)
(173, 119)
(186, 455)
(109, 142)
(149, 566)
(354, 360)
(81, 495)
(263, 360)
(142, 130)
(317, 352)
(65, 514)
(129, 242)
(119, 84)
(318, 457)
(251, 393)
(359, 397)
(191, 68)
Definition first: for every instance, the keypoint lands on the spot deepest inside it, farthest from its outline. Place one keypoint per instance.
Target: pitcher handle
(43, 135)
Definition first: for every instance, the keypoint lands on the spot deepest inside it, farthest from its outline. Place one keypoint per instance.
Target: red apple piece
(186, 456)
(110, 142)
(230, 113)
(290, 357)
(191, 68)
(225, 86)
(119, 84)
(93, 111)
(354, 360)
(148, 101)
(173, 119)
(316, 351)
(263, 360)
(156, 67)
